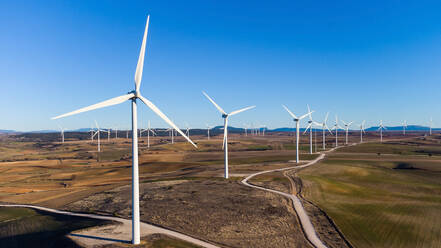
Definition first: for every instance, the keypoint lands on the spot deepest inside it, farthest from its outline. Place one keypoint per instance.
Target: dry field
(382, 195)
(181, 188)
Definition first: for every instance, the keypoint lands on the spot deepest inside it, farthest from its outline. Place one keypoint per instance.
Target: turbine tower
(208, 131)
(380, 128)
(430, 127)
(324, 126)
(404, 127)
(362, 131)
(336, 127)
(98, 137)
(225, 116)
(133, 96)
(310, 123)
(61, 133)
(297, 121)
(347, 129)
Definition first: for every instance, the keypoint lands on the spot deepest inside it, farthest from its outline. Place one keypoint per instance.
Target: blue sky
(360, 60)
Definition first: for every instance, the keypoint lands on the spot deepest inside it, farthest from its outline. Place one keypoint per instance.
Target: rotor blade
(303, 116)
(350, 123)
(110, 102)
(328, 128)
(140, 65)
(317, 124)
(214, 103)
(326, 117)
(308, 127)
(96, 124)
(225, 133)
(164, 117)
(344, 123)
(309, 111)
(293, 115)
(241, 110)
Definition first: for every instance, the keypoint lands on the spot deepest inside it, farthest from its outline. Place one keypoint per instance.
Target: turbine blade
(214, 103)
(309, 111)
(165, 118)
(350, 123)
(241, 110)
(110, 102)
(303, 116)
(293, 115)
(308, 127)
(140, 65)
(326, 117)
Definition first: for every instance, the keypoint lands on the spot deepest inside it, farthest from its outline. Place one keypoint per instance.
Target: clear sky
(359, 59)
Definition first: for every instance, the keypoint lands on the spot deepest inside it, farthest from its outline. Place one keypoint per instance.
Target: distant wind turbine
(380, 128)
(310, 127)
(133, 96)
(362, 131)
(404, 127)
(61, 133)
(430, 127)
(225, 116)
(324, 126)
(346, 129)
(336, 127)
(297, 121)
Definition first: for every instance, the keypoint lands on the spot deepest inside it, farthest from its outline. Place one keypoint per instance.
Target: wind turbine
(324, 126)
(310, 123)
(208, 131)
(148, 134)
(430, 127)
(187, 131)
(62, 133)
(347, 129)
(297, 121)
(98, 137)
(336, 127)
(116, 132)
(381, 127)
(225, 116)
(362, 131)
(404, 127)
(92, 133)
(133, 96)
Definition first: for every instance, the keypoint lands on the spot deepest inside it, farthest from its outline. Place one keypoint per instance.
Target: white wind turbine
(347, 125)
(380, 128)
(98, 137)
(430, 127)
(310, 123)
(225, 116)
(133, 96)
(116, 132)
(324, 126)
(404, 127)
(92, 133)
(208, 131)
(362, 131)
(149, 130)
(61, 133)
(297, 121)
(336, 127)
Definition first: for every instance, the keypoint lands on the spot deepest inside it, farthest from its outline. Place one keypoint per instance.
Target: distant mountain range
(237, 129)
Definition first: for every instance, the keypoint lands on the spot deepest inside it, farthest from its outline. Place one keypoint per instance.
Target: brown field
(181, 188)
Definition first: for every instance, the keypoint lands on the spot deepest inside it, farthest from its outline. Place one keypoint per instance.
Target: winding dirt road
(305, 222)
(118, 233)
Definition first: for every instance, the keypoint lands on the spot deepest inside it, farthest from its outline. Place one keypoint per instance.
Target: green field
(380, 201)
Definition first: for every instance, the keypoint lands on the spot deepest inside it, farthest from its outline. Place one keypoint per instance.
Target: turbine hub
(224, 116)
